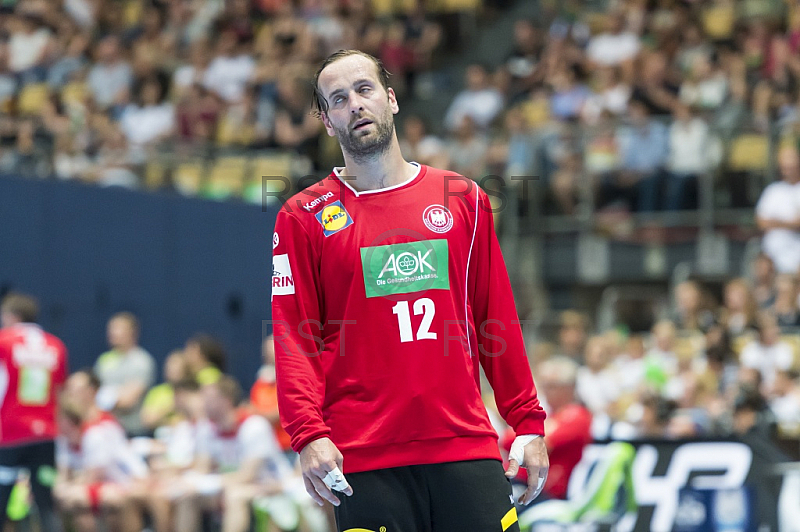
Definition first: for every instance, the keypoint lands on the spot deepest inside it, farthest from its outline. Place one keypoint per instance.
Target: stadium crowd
(628, 105)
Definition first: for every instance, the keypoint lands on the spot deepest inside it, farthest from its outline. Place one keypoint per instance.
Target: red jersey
(33, 366)
(385, 302)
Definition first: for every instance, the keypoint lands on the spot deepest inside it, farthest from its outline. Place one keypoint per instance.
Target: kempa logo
(322, 199)
(405, 268)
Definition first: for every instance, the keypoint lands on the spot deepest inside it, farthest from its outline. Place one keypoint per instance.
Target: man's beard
(361, 148)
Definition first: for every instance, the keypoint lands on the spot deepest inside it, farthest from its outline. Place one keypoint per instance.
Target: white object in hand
(517, 451)
(335, 480)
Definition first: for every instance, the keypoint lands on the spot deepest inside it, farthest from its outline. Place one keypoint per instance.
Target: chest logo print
(437, 218)
(405, 268)
(334, 218)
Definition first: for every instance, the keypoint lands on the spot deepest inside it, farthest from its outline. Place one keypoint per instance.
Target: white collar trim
(338, 169)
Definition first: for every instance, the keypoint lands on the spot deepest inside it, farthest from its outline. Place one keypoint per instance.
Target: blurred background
(642, 156)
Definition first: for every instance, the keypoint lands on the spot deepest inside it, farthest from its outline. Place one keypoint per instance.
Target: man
(238, 459)
(33, 367)
(778, 214)
(126, 373)
(388, 297)
(101, 477)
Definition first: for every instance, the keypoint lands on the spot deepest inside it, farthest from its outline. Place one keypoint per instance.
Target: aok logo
(405, 268)
(405, 264)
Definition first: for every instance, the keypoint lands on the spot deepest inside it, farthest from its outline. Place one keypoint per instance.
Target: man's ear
(327, 123)
(393, 101)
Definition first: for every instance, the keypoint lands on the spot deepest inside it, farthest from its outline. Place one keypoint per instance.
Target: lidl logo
(405, 268)
(334, 218)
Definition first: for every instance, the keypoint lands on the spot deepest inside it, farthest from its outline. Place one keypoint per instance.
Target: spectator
(111, 77)
(595, 384)
(573, 329)
(231, 69)
(104, 482)
(264, 393)
(643, 149)
(739, 313)
(778, 214)
(205, 357)
(691, 307)
(661, 359)
(418, 145)
(523, 60)
(569, 93)
(785, 401)
(125, 373)
(152, 118)
(615, 46)
(630, 365)
(610, 94)
(66, 68)
(785, 306)
(159, 403)
(295, 127)
(239, 456)
(767, 353)
(689, 160)
(28, 46)
(468, 150)
(705, 87)
(751, 415)
(568, 424)
(764, 280)
(478, 100)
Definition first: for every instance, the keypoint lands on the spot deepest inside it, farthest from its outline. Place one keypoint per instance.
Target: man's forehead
(346, 71)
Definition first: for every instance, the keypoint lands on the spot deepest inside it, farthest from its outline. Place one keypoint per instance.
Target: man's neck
(384, 170)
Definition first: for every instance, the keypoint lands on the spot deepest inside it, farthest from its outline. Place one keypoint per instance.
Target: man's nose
(356, 105)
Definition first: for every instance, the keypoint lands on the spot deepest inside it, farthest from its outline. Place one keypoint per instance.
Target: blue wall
(182, 265)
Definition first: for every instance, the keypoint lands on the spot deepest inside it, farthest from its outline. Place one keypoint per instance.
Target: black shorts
(473, 496)
(40, 459)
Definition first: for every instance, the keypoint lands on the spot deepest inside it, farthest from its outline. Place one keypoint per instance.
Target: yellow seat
(226, 177)
(188, 177)
(270, 180)
(155, 173)
(718, 21)
(794, 341)
(740, 342)
(456, 6)
(749, 152)
(32, 98)
(74, 93)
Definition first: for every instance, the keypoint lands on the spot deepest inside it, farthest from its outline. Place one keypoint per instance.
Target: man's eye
(338, 99)
(364, 89)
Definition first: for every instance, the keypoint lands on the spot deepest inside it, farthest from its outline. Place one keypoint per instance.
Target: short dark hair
(229, 389)
(132, 320)
(23, 306)
(319, 103)
(211, 349)
(91, 377)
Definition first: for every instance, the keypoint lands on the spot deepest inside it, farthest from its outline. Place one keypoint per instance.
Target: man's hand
(321, 463)
(536, 461)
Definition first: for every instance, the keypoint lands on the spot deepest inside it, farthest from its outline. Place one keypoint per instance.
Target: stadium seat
(794, 341)
(155, 173)
(188, 178)
(32, 98)
(749, 152)
(74, 93)
(226, 178)
(278, 171)
(718, 21)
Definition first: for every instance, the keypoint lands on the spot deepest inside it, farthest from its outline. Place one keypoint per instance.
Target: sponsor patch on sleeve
(282, 280)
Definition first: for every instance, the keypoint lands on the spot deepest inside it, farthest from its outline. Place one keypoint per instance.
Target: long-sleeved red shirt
(384, 303)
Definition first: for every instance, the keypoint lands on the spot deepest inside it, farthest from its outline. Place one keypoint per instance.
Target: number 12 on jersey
(424, 306)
